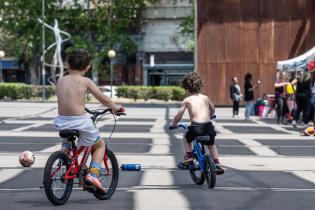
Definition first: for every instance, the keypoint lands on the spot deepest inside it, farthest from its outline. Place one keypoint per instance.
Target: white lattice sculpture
(57, 60)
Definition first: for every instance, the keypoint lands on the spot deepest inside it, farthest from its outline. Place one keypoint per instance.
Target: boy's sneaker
(187, 159)
(218, 169)
(91, 181)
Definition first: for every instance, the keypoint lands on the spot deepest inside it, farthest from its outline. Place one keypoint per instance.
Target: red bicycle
(62, 169)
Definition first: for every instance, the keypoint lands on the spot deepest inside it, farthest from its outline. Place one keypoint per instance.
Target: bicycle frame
(75, 167)
(199, 151)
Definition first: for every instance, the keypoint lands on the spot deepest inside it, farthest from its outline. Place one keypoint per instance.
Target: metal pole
(111, 77)
(1, 77)
(43, 49)
(196, 37)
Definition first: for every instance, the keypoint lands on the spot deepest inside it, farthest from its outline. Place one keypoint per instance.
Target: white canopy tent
(298, 63)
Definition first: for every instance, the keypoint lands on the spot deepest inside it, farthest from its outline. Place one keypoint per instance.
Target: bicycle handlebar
(97, 113)
(181, 125)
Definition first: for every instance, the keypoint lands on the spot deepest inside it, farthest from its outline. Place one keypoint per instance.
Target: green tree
(187, 28)
(95, 26)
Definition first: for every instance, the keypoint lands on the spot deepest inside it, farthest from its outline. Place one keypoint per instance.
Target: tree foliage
(187, 28)
(95, 25)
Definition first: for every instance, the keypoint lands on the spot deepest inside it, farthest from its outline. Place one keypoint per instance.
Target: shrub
(178, 94)
(150, 92)
(163, 93)
(16, 91)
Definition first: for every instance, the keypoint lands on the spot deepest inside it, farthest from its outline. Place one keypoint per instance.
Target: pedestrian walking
(303, 97)
(236, 96)
(249, 95)
(280, 97)
(313, 95)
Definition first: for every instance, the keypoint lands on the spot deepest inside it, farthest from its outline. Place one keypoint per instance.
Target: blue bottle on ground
(130, 167)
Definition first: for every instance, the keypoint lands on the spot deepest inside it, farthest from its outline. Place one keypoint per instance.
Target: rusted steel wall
(239, 36)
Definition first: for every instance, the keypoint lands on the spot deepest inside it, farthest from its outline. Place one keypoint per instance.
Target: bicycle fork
(199, 151)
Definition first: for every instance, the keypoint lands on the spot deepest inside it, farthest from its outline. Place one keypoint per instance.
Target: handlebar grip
(120, 113)
(122, 109)
(172, 127)
(212, 117)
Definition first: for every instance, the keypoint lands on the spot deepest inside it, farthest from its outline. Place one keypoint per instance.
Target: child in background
(200, 108)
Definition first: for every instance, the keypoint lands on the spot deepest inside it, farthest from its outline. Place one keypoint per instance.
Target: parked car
(106, 90)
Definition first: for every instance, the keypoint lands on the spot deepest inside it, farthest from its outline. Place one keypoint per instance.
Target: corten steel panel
(240, 36)
(281, 30)
(233, 32)
(215, 39)
(267, 33)
(250, 29)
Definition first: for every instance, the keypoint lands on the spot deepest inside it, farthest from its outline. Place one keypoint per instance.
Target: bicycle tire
(65, 160)
(210, 175)
(199, 180)
(114, 177)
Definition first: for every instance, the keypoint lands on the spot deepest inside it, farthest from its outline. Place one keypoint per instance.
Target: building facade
(165, 55)
(239, 36)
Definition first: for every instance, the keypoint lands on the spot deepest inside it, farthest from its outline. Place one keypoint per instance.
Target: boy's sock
(216, 161)
(95, 169)
(189, 154)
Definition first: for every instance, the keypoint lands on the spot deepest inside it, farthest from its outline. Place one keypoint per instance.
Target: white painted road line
(258, 148)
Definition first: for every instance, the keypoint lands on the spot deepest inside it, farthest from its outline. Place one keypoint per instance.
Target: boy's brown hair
(192, 82)
(78, 59)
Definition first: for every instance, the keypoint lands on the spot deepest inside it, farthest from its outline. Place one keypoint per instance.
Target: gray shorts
(89, 134)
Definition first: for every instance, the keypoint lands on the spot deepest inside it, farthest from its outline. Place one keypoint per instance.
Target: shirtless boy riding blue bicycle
(200, 108)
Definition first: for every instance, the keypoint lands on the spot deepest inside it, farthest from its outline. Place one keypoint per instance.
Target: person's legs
(313, 105)
(279, 104)
(247, 109)
(188, 151)
(306, 109)
(234, 108)
(215, 156)
(237, 107)
(98, 151)
(299, 105)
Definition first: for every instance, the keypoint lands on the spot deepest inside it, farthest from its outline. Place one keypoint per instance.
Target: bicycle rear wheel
(196, 174)
(109, 181)
(210, 172)
(57, 189)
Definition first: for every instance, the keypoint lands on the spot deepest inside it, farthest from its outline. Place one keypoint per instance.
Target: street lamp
(2, 54)
(111, 54)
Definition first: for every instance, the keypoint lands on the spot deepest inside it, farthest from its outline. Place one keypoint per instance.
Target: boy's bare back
(199, 106)
(71, 92)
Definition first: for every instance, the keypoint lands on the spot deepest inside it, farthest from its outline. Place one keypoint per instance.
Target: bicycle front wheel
(210, 174)
(109, 178)
(195, 173)
(57, 189)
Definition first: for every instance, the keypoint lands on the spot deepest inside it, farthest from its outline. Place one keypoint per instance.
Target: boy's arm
(211, 107)
(179, 114)
(105, 100)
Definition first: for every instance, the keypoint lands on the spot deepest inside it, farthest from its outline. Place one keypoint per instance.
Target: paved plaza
(267, 166)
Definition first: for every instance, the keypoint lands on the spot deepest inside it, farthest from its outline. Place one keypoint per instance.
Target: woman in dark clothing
(280, 97)
(249, 95)
(235, 94)
(303, 97)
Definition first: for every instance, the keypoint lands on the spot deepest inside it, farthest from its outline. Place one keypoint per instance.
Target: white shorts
(89, 134)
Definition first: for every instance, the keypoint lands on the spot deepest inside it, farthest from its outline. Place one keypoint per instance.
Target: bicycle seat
(202, 139)
(69, 134)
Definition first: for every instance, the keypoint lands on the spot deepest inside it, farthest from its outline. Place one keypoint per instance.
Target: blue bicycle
(202, 168)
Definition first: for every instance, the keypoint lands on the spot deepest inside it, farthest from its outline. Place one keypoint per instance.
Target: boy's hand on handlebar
(119, 110)
(172, 127)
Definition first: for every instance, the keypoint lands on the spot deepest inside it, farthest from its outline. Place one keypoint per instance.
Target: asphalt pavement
(267, 166)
